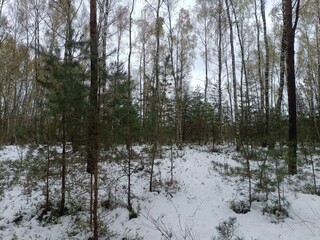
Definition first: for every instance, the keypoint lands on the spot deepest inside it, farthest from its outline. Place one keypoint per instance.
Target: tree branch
(297, 15)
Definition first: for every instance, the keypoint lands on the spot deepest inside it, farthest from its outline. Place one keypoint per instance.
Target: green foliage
(23, 133)
(66, 96)
(198, 117)
(120, 116)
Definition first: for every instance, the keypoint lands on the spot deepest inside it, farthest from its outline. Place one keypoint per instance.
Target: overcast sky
(198, 73)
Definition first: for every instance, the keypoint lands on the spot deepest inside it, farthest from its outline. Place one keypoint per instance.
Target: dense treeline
(129, 79)
(147, 54)
(45, 70)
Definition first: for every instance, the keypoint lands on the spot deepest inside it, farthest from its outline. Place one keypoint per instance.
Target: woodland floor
(205, 185)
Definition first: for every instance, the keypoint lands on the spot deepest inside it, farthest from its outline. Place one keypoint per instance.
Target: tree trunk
(48, 174)
(259, 57)
(282, 71)
(219, 70)
(67, 59)
(234, 78)
(38, 102)
(206, 62)
(291, 85)
(104, 13)
(63, 166)
(129, 135)
(176, 73)
(245, 114)
(156, 95)
(266, 73)
(318, 55)
(1, 7)
(93, 124)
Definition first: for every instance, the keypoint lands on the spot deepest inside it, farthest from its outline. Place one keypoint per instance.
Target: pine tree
(291, 83)
(65, 102)
(93, 117)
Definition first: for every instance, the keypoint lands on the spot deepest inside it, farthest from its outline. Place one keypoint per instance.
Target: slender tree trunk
(206, 59)
(206, 62)
(318, 55)
(177, 76)
(153, 157)
(291, 85)
(38, 104)
(219, 69)
(234, 78)
(67, 59)
(156, 95)
(230, 96)
(2, 115)
(130, 50)
(282, 70)
(93, 97)
(28, 70)
(93, 124)
(180, 89)
(63, 166)
(142, 87)
(146, 84)
(259, 57)
(91, 202)
(104, 13)
(1, 7)
(129, 137)
(129, 150)
(48, 174)
(246, 114)
(146, 89)
(266, 73)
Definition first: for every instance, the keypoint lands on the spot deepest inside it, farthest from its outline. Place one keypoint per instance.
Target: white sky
(198, 73)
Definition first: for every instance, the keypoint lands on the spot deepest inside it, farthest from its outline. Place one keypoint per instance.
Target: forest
(100, 97)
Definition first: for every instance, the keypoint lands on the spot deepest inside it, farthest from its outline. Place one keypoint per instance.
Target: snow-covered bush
(228, 230)
(240, 206)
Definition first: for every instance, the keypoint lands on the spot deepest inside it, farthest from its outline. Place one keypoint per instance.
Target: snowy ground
(192, 208)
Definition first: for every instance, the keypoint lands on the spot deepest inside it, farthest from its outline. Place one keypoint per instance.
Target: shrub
(228, 230)
(241, 206)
